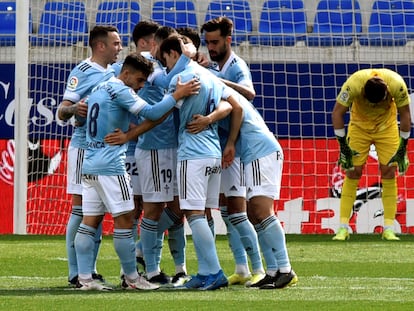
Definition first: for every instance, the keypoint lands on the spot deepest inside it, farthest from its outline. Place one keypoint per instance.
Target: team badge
(344, 97)
(72, 84)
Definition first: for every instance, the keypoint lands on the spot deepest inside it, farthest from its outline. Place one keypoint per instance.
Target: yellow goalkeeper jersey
(371, 117)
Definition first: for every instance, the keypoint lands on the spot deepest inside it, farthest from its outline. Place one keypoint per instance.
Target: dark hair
(375, 90)
(144, 29)
(164, 32)
(100, 33)
(222, 23)
(172, 43)
(137, 62)
(192, 34)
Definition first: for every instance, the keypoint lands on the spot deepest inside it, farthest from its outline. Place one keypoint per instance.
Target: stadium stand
(62, 23)
(389, 23)
(282, 22)
(175, 14)
(122, 14)
(238, 11)
(8, 23)
(337, 23)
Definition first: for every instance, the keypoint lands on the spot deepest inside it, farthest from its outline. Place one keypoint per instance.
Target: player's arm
(200, 122)
(346, 153)
(246, 91)
(400, 157)
(118, 137)
(67, 109)
(229, 151)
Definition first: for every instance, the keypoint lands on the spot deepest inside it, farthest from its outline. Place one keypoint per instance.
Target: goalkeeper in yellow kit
(374, 97)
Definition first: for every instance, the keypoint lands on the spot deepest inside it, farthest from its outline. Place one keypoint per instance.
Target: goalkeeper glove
(346, 154)
(401, 157)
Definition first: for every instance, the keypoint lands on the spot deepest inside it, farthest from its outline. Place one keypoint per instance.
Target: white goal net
(299, 52)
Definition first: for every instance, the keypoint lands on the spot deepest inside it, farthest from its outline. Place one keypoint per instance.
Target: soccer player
(156, 156)
(228, 66)
(199, 166)
(376, 96)
(143, 37)
(262, 161)
(105, 183)
(236, 74)
(106, 46)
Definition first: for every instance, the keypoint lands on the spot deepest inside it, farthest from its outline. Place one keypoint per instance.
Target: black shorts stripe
(242, 177)
(79, 162)
(124, 188)
(155, 167)
(256, 173)
(183, 179)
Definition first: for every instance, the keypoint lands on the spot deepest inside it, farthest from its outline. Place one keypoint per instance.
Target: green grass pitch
(364, 273)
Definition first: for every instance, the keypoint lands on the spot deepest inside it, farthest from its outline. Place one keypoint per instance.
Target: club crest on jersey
(344, 96)
(73, 83)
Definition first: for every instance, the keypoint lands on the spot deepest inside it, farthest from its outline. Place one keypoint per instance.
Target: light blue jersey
(256, 140)
(206, 143)
(82, 79)
(109, 106)
(163, 136)
(235, 69)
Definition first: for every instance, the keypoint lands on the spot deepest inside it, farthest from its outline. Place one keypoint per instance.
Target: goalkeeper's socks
(389, 200)
(348, 196)
(72, 227)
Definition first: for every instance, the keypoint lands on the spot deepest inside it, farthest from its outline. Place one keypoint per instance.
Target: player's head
(143, 35)
(191, 34)
(375, 90)
(135, 71)
(170, 50)
(217, 35)
(162, 33)
(105, 43)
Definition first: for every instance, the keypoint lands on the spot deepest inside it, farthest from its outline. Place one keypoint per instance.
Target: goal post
(296, 77)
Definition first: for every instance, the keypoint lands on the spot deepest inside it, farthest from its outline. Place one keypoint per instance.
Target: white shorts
(103, 194)
(132, 170)
(74, 170)
(157, 174)
(232, 180)
(264, 176)
(199, 183)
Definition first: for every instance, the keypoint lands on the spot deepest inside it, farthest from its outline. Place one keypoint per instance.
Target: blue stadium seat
(62, 23)
(122, 14)
(282, 22)
(391, 23)
(8, 23)
(337, 23)
(238, 11)
(175, 14)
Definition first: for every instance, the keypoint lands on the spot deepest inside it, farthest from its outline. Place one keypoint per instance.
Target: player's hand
(117, 137)
(400, 157)
(203, 60)
(198, 124)
(346, 154)
(188, 49)
(229, 153)
(81, 109)
(191, 87)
